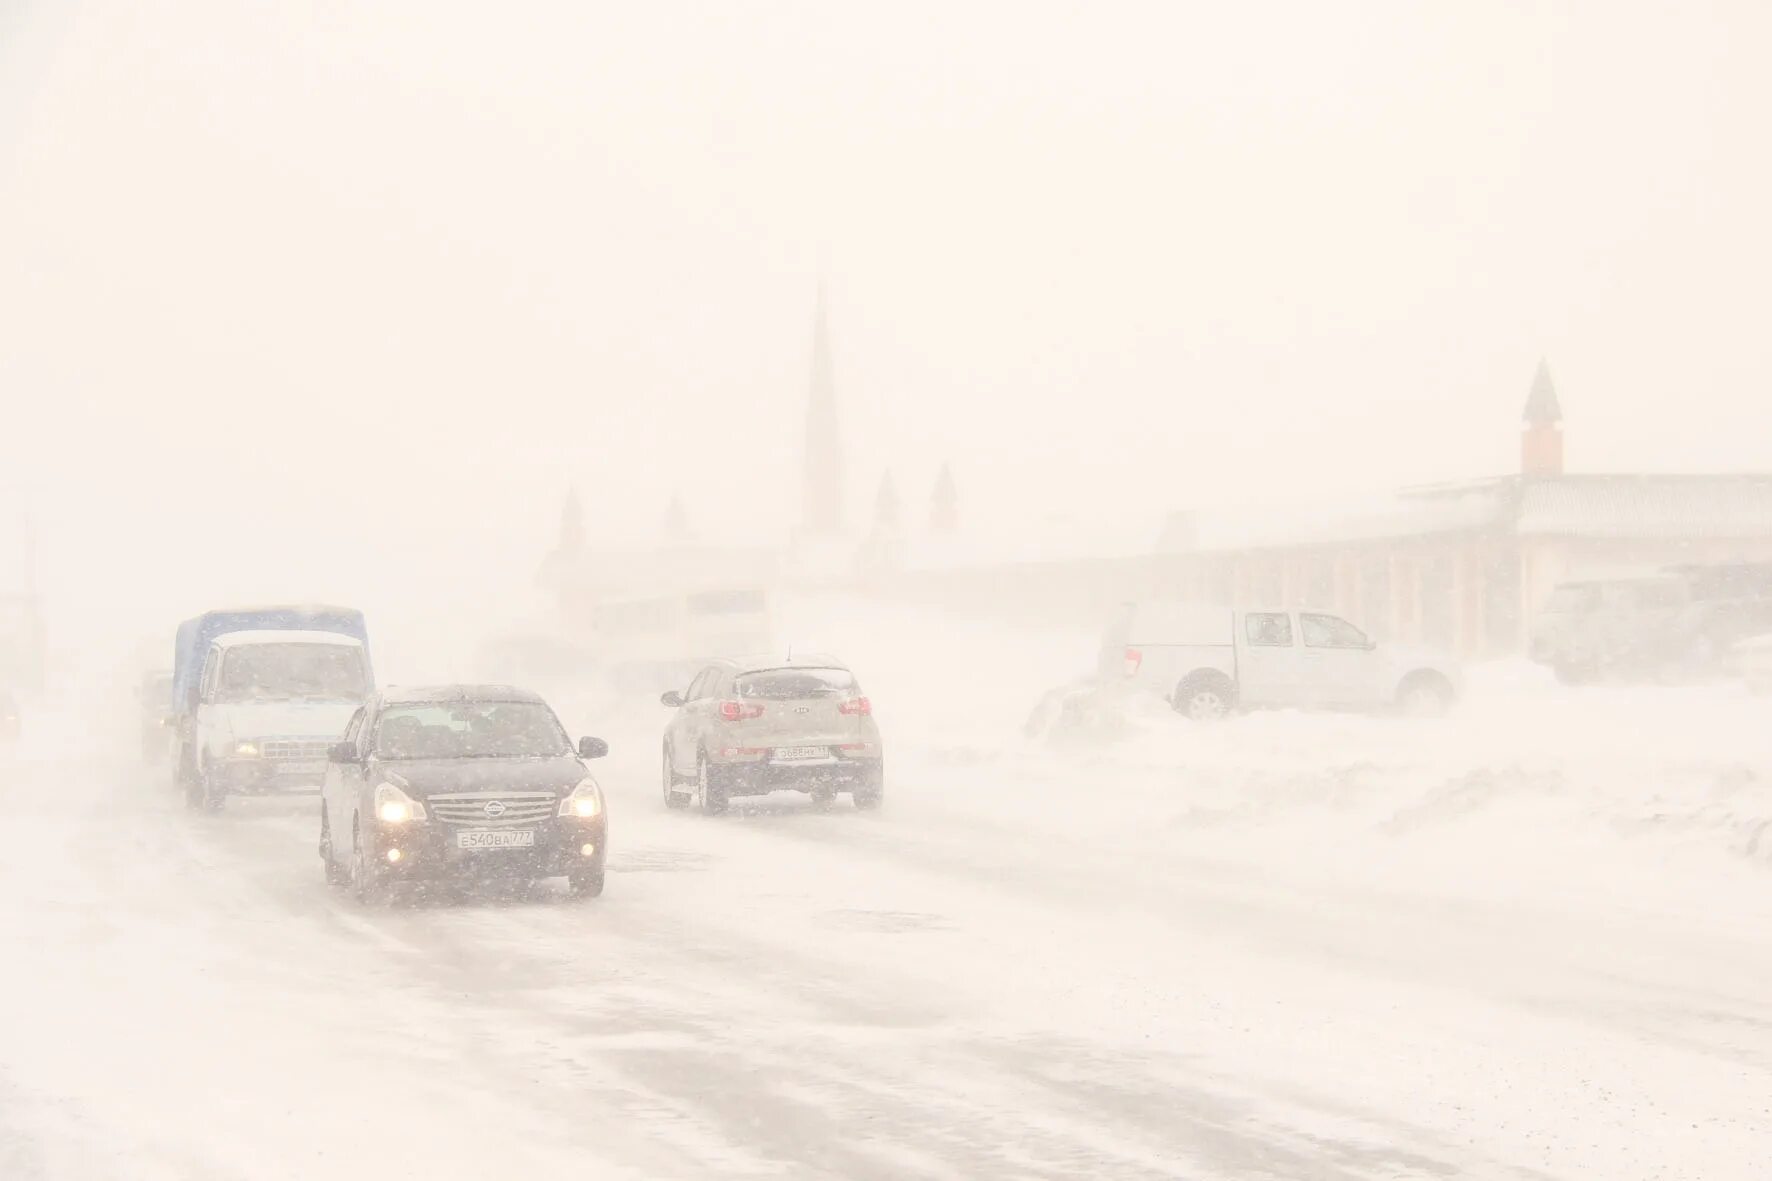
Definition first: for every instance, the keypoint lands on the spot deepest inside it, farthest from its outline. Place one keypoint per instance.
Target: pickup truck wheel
(1570, 673)
(1205, 697)
(1424, 695)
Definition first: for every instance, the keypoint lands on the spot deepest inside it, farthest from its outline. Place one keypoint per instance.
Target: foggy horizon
(1293, 254)
(1301, 714)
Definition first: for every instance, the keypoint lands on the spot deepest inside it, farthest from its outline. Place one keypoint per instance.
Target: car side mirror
(673, 699)
(592, 748)
(342, 752)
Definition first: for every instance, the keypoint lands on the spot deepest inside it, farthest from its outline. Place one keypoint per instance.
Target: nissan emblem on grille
(494, 809)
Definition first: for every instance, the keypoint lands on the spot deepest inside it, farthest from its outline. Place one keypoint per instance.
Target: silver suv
(749, 727)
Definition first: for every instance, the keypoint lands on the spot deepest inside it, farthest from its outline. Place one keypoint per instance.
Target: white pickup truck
(1206, 661)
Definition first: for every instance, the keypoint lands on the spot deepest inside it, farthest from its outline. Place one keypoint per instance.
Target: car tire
(710, 787)
(1576, 672)
(366, 882)
(586, 883)
(1205, 697)
(1424, 695)
(189, 781)
(335, 877)
(674, 795)
(201, 794)
(870, 793)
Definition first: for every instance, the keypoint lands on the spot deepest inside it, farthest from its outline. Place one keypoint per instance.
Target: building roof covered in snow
(1647, 506)
(1596, 506)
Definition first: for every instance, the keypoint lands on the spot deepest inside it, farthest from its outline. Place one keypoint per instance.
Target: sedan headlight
(246, 750)
(585, 802)
(393, 806)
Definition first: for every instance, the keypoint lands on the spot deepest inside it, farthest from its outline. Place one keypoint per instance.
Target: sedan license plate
(495, 838)
(792, 754)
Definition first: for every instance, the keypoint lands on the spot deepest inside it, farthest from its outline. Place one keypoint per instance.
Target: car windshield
(793, 684)
(284, 672)
(471, 730)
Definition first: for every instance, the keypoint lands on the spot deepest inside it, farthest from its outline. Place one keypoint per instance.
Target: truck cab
(1207, 660)
(270, 705)
(191, 650)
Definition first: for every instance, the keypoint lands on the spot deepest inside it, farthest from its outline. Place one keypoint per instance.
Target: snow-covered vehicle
(190, 662)
(1207, 660)
(1678, 624)
(650, 642)
(1751, 661)
(461, 781)
(750, 727)
(154, 697)
(270, 705)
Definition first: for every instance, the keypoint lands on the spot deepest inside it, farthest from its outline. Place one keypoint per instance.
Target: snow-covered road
(1289, 947)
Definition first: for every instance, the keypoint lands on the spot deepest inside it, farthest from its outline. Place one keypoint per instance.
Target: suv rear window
(795, 684)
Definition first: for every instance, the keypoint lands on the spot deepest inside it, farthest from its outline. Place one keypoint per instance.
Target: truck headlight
(246, 750)
(393, 806)
(585, 802)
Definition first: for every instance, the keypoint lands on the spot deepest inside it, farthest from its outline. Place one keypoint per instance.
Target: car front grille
(518, 807)
(294, 750)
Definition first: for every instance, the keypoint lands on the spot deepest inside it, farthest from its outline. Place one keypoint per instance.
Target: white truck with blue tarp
(260, 695)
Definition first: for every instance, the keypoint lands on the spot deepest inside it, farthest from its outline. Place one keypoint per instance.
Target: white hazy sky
(346, 294)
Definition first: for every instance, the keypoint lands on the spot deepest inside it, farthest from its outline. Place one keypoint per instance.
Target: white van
(1207, 660)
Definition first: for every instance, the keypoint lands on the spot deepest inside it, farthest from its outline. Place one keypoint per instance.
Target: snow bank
(1647, 793)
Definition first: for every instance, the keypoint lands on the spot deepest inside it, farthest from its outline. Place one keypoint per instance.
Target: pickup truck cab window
(1329, 631)
(1268, 631)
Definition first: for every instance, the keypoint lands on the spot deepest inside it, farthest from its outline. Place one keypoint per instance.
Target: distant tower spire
(568, 557)
(1541, 432)
(572, 525)
(821, 508)
(886, 504)
(944, 503)
(676, 521)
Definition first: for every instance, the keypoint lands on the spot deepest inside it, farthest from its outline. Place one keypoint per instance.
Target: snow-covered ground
(1525, 941)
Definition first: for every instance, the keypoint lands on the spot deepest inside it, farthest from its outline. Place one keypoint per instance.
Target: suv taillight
(738, 711)
(856, 705)
(1134, 658)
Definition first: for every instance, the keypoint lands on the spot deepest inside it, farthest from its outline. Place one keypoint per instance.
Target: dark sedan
(461, 782)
